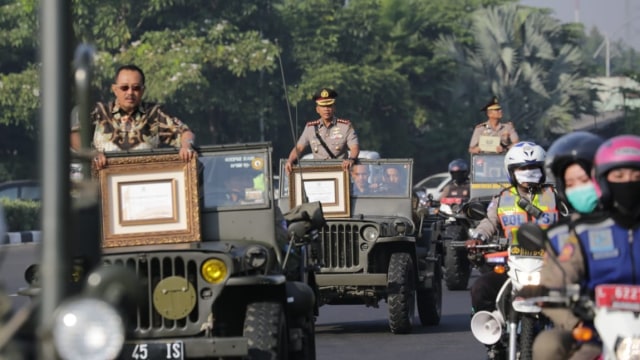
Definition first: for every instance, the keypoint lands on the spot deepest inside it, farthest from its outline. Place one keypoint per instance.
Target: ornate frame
(149, 199)
(327, 184)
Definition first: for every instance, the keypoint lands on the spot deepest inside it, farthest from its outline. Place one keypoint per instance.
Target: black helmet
(459, 170)
(576, 147)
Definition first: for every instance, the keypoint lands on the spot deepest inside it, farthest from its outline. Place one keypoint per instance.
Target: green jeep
(370, 249)
(207, 241)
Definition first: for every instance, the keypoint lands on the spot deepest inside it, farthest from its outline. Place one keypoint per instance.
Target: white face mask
(528, 176)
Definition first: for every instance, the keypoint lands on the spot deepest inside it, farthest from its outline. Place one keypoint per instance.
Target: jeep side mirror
(531, 237)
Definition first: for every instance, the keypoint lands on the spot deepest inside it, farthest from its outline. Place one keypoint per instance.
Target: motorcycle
(456, 226)
(614, 310)
(514, 323)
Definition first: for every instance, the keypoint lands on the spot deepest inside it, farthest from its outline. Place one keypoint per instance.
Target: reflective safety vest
(511, 215)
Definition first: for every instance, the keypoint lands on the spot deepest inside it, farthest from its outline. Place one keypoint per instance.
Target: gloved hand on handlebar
(472, 243)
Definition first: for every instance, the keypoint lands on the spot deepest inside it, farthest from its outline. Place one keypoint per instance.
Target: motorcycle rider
(459, 185)
(527, 199)
(596, 248)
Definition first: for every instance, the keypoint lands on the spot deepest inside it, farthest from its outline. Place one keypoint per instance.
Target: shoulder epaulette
(344, 121)
(480, 125)
(313, 123)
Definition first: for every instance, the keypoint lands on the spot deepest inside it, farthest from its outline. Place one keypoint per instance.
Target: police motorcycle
(613, 309)
(456, 226)
(514, 323)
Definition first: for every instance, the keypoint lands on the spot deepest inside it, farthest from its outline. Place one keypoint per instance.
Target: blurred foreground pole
(55, 35)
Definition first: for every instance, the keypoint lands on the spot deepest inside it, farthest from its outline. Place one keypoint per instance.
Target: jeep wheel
(457, 269)
(400, 292)
(430, 301)
(266, 330)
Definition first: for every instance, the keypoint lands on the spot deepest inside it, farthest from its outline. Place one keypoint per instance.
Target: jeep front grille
(340, 247)
(151, 269)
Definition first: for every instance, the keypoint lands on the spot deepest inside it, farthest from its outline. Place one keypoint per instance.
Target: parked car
(21, 189)
(433, 184)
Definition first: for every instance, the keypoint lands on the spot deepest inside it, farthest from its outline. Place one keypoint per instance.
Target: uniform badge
(566, 252)
(601, 244)
(324, 93)
(336, 134)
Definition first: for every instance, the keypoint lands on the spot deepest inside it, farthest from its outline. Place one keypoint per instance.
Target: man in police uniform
(504, 134)
(329, 137)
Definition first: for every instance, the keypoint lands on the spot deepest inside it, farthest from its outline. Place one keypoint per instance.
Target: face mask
(528, 176)
(583, 198)
(625, 197)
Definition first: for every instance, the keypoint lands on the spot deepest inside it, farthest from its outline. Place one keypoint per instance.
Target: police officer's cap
(492, 105)
(325, 97)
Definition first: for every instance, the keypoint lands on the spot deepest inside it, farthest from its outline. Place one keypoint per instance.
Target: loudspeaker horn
(487, 326)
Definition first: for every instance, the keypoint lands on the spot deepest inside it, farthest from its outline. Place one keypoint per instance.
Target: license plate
(142, 351)
(618, 296)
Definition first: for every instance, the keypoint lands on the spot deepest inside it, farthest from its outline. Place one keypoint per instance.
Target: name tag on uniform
(488, 143)
(601, 244)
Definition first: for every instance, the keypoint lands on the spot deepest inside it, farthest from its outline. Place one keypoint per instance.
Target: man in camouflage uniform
(329, 137)
(504, 134)
(130, 124)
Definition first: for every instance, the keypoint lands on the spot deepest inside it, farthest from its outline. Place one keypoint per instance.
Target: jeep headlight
(88, 328)
(214, 271)
(370, 233)
(628, 348)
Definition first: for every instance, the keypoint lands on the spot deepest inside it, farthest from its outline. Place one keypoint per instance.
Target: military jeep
(208, 243)
(369, 248)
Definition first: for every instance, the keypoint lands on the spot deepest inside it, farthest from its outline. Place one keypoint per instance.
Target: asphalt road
(356, 332)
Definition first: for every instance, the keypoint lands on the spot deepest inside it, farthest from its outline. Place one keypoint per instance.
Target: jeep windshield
(368, 180)
(488, 169)
(235, 180)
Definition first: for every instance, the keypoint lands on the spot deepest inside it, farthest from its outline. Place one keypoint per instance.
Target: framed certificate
(151, 199)
(327, 184)
(488, 143)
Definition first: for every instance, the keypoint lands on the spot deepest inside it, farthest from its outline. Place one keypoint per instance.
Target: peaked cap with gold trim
(325, 97)
(492, 105)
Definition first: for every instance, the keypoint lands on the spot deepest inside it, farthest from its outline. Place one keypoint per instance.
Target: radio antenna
(291, 125)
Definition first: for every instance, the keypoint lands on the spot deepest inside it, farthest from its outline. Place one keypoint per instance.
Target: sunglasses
(126, 88)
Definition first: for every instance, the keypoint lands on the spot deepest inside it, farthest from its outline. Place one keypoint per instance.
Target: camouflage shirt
(149, 127)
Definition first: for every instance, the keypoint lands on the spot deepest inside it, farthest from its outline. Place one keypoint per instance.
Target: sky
(620, 19)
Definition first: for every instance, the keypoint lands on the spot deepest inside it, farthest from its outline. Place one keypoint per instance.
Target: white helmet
(522, 154)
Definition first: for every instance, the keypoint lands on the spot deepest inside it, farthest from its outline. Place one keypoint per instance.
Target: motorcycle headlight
(370, 233)
(628, 348)
(528, 278)
(88, 328)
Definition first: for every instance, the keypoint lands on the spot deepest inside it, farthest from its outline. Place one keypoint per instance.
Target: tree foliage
(236, 70)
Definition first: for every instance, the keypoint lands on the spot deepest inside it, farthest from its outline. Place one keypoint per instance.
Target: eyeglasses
(126, 88)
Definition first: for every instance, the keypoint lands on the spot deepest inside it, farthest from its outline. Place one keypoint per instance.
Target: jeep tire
(457, 269)
(401, 292)
(266, 330)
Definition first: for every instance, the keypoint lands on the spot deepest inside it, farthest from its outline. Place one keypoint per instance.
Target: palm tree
(521, 56)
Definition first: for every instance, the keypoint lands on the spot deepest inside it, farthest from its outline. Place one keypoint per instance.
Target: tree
(521, 56)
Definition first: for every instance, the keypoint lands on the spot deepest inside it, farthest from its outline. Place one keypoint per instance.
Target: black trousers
(485, 290)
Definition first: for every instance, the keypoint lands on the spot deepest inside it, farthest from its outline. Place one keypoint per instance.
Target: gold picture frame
(327, 184)
(150, 199)
(489, 144)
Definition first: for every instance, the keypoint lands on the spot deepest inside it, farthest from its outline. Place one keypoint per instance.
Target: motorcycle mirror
(474, 210)
(531, 236)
